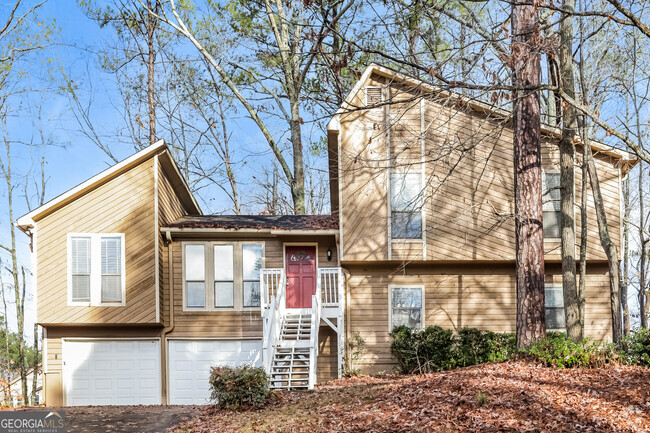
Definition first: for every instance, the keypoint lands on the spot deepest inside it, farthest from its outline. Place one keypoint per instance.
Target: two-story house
(139, 293)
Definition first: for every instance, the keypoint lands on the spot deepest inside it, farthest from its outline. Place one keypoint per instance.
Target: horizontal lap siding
(170, 210)
(469, 201)
(456, 297)
(327, 366)
(235, 324)
(124, 204)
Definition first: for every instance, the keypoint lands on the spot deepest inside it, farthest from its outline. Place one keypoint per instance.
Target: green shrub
(476, 346)
(356, 347)
(235, 387)
(422, 351)
(437, 349)
(636, 347)
(557, 350)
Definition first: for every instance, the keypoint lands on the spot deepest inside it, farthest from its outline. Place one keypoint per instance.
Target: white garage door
(190, 362)
(111, 372)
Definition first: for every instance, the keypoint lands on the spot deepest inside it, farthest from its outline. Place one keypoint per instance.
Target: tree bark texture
(529, 238)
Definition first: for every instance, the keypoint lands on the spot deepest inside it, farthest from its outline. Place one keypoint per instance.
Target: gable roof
(273, 223)
(159, 148)
(627, 159)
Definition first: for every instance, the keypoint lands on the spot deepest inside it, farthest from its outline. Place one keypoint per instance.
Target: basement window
(406, 307)
(96, 273)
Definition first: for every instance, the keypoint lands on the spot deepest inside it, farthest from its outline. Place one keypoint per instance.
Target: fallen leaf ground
(521, 397)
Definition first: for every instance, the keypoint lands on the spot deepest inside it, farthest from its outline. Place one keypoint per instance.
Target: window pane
(194, 262)
(406, 191)
(406, 304)
(223, 262)
(554, 296)
(111, 255)
(251, 293)
(407, 298)
(408, 317)
(551, 224)
(551, 191)
(195, 293)
(406, 225)
(252, 261)
(80, 255)
(555, 318)
(223, 294)
(111, 288)
(81, 288)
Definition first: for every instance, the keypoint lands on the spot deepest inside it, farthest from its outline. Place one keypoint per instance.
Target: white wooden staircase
(290, 342)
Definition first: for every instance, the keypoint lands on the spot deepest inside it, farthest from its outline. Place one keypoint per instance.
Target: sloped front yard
(506, 397)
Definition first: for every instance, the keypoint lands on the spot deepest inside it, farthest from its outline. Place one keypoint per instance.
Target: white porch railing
(313, 337)
(327, 305)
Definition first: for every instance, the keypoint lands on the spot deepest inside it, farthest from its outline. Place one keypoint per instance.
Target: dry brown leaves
(521, 397)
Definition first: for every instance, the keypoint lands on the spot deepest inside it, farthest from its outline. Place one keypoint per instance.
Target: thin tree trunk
(583, 237)
(531, 317)
(567, 177)
(643, 299)
(150, 22)
(35, 366)
(626, 256)
(608, 246)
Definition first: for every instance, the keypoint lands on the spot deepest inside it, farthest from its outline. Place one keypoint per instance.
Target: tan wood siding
(234, 324)
(170, 208)
(327, 366)
(455, 297)
(124, 204)
(468, 198)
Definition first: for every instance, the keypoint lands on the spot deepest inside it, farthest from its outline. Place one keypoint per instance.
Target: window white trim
(391, 287)
(96, 270)
(238, 277)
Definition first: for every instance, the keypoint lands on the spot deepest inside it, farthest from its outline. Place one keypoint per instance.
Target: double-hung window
(96, 269)
(554, 300)
(406, 306)
(195, 276)
(551, 203)
(406, 205)
(251, 266)
(221, 275)
(224, 282)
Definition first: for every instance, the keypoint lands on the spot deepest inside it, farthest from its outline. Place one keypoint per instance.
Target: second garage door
(190, 362)
(102, 372)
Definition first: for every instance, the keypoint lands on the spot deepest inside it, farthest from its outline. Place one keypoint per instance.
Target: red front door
(301, 275)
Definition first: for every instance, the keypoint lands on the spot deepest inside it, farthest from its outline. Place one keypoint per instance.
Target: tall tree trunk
(643, 299)
(35, 366)
(151, 23)
(608, 246)
(567, 177)
(531, 318)
(626, 256)
(298, 183)
(583, 236)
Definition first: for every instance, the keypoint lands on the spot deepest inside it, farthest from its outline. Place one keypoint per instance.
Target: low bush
(437, 349)
(636, 347)
(557, 350)
(235, 387)
(476, 346)
(422, 351)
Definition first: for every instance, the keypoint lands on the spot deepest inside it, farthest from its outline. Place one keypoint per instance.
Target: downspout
(166, 330)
